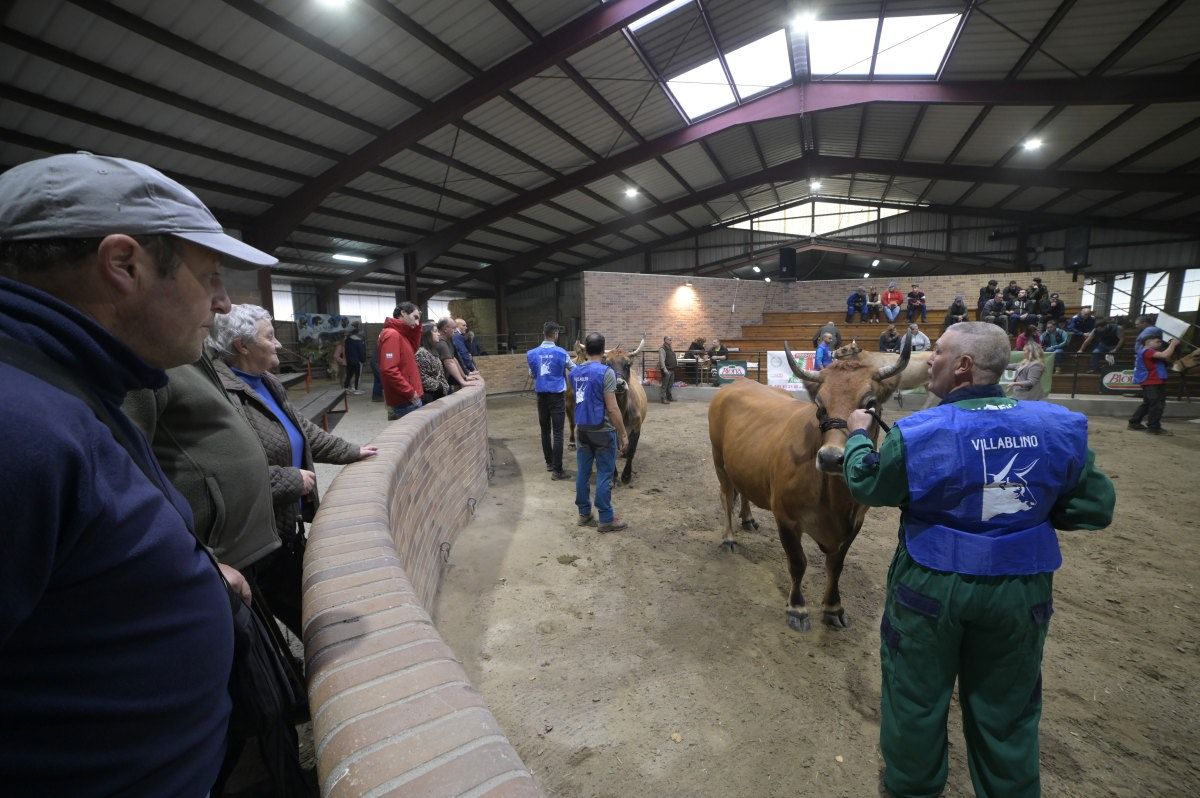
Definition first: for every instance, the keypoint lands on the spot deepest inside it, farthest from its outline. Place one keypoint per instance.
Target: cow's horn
(807, 376)
(899, 365)
(639, 349)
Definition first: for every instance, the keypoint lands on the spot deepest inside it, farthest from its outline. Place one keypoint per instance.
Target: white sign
(1171, 326)
(779, 373)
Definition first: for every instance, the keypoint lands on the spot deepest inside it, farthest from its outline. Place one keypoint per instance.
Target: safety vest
(548, 364)
(983, 479)
(1141, 372)
(588, 383)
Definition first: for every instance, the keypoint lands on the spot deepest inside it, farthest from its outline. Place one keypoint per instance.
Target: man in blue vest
(548, 365)
(982, 482)
(599, 432)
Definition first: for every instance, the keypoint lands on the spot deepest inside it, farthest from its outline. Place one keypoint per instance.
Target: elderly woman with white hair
(244, 340)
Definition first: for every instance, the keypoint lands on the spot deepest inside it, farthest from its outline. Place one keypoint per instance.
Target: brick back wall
(504, 373)
(626, 306)
(393, 711)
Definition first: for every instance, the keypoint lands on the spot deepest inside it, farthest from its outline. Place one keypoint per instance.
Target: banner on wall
(779, 373)
(324, 329)
(730, 370)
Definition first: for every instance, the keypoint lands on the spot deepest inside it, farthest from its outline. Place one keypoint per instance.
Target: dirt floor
(649, 662)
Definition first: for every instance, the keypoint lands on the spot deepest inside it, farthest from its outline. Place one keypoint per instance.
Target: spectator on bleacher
(444, 349)
(1150, 372)
(433, 374)
(1027, 382)
(1103, 340)
(1038, 292)
(1144, 325)
(874, 306)
(893, 302)
(1054, 340)
(995, 311)
(1022, 311)
(1082, 324)
(397, 352)
(916, 303)
(1010, 293)
(354, 348)
(890, 341)
(824, 354)
(245, 343)
(831, 328)
(718, 351)
(957, 311)
(460, 348)
(920, 341)
(1054, 308)
(1028, 333)
(116, 638)
(985, 294)
(856, 303)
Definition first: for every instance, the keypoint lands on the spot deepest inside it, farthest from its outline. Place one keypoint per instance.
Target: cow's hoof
(835, 618)
(750, 525)
(729, 545)
(799, 621)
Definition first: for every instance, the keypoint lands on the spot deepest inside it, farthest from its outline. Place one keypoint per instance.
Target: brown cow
(1188, 361)
(785, 455)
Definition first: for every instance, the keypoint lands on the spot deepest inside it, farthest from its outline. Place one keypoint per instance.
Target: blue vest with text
(588, 383)
(548, 364)
(982, 483)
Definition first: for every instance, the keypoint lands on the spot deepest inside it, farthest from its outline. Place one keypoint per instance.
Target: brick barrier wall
(393, 711)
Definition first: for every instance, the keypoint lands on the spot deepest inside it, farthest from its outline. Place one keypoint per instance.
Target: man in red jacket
(398, 344)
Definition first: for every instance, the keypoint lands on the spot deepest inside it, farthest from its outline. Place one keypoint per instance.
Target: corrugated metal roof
(1181, 209)
(1166, 47)
(1144, 128)
(1170, 156)
(504, 121)
(379, 231)
(696, 216)
(735, 151)
(941, 128)
(545, 213)
(677, 42)
(906, 189)
(887, 129)
(521, 228)
(587, 206)
(985, 49)
(615, 70)
(836, 131)
(988, 194)
(694, 165)
(385, 214)
(652, 177)
(1032, 197)
(740, 23)
(557, 96)
(1003, 129)
(1093, 28)
(1065, 131)
(946, 191)
(474, 28)
(780, 140)
(1077, 201)
(548, 17)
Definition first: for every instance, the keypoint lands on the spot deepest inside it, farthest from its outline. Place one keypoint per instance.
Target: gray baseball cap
(81, 195)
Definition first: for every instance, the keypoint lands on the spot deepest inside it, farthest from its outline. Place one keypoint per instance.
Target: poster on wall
(323, 329)
(779, 374)
(730, 370)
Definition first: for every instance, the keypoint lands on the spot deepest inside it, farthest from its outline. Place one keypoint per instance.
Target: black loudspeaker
(1075, 247)
(787, 264)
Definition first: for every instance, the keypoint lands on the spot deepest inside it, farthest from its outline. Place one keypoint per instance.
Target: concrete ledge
(393, 711)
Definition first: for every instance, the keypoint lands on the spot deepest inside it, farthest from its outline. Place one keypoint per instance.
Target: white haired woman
(244, 340)
(1027, 382)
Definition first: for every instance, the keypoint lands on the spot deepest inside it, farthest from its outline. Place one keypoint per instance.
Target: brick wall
(393, 710)
(625, 307)
(504, 373)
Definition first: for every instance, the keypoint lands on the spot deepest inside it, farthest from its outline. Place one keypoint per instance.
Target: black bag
(265, 687)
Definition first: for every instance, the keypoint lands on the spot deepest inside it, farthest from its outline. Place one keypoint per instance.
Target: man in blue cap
(116, 637)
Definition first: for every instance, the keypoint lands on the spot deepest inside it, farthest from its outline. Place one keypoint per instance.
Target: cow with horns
(786, 456)
(631, 399)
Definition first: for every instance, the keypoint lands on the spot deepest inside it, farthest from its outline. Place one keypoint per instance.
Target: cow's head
(622, 361)
(1190, 360)
(861, 379)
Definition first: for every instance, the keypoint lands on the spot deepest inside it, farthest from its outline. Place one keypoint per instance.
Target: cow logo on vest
(1006, 492)
(544, 371)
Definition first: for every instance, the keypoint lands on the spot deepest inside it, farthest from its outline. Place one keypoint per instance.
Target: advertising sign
(323, 328)
(779, 374)
(730, 370)
(1118, 381)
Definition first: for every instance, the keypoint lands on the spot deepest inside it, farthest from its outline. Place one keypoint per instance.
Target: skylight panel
(760, 65)
(914, 45)
(841, 47)
(702, 89)
(669, 8)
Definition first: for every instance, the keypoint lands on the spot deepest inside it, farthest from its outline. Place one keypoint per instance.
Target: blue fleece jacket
(116, 638)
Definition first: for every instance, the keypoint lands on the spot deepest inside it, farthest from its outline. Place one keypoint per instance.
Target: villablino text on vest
(1005, 442)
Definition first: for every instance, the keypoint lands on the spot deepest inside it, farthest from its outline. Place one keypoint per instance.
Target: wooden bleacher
(799, 327)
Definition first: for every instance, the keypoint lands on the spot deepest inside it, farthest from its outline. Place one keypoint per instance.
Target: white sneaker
(357, 393)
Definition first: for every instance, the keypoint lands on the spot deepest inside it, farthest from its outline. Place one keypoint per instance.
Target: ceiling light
(802, 22)
(756, 269)
(688, 283)
(332, 3)
(351, 258)
(875, 262)
(631, 192)
(866, 275)
(1032, 144)
(767, 279)
(815, 185)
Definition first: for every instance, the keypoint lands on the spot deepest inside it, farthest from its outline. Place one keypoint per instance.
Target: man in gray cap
(116, 638)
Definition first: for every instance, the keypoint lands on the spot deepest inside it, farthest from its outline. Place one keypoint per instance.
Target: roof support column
(1175, 293)
(265, 297)
(410, 277)
(502, 315)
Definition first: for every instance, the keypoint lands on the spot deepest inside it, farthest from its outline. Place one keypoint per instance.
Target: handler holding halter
(982, 482)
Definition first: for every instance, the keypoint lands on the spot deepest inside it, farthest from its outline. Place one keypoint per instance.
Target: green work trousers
(986, 631)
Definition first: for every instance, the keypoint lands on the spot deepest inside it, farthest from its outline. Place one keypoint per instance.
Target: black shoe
(1158, 431)
(557, 475)
(1136, 426)
(549, 467)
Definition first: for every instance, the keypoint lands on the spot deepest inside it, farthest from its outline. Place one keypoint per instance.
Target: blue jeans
(913, 310)
(891, 313)
(399, 411)
(1099, 350)
(599, 448)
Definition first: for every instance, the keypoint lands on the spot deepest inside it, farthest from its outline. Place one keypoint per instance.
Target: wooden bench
(319, 404)
(289, 380)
